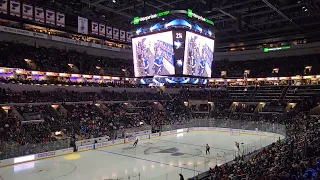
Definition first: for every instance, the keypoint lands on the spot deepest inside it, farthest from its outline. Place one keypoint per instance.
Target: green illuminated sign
(190, 13)
(136, 20)
(193, 15)
(276, 49)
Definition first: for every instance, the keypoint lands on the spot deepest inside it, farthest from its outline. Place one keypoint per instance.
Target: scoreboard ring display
(176, 52)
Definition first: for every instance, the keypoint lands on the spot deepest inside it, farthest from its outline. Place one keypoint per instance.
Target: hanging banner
(27, 11)
(115, 33)
(109, 32)
(82, 25)
(60, 19)
(4, 6)
(102, 29)
(50, 15)
(15, 9)
(39, 14)
(129, 35)
(94, 28)
(122, 35)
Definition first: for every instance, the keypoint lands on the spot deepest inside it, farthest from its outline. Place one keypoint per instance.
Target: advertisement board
(154, 135)
(46, 154)
(153, 54)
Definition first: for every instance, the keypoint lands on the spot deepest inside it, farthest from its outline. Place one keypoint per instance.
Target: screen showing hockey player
(153, 55)
(198, 55)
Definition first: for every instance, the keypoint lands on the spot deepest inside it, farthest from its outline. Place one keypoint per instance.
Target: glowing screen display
(198, 55)
(153, 55)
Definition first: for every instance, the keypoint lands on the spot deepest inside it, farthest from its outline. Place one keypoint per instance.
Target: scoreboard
(176, 52)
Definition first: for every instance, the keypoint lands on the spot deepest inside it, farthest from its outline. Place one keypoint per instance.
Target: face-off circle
(40, 171)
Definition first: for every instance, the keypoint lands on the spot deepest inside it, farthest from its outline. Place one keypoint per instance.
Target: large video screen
(198, 55)
(153, 55)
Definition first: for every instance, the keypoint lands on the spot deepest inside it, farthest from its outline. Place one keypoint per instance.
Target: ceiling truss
(259, 19)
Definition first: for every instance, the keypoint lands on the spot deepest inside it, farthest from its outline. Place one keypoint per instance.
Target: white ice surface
(155, 159)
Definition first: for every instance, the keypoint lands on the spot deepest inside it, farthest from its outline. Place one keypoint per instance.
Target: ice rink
(153, 159)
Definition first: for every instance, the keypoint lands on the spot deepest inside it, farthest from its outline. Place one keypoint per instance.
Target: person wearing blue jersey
(146, 65)
(193, 64)
(202, 66)
(158, 64)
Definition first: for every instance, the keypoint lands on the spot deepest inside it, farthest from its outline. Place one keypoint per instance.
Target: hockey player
(136, 142)
(207, 149)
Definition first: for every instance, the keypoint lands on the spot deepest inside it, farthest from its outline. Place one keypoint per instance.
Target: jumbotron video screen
(153, 55)
(198, 55)
(176, 52)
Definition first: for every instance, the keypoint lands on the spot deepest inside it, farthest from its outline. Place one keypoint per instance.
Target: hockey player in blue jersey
(193, 64)
(158, 64)
(202, 66)
(146, 65)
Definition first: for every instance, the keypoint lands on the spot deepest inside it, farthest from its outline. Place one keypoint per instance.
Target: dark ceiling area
(235, 20)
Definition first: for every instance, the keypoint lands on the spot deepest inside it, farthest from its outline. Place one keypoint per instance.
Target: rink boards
(141, 136)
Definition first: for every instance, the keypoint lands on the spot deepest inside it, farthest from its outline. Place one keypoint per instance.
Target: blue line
(148, 160)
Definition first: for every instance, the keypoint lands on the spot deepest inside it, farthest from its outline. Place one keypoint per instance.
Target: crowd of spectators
(89, 115)
(287, 65)
(46, 59)
(297, 157)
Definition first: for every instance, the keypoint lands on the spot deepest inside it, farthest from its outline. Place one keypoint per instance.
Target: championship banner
(27, 11)
(109, 32)
(122, 35)
(50, 15)
(115, 33)
(15, 8)
(82, 25)
(102, 29)
(129, 35)
(94, 28)
(60, 19)
(4, 6)
(39, 14)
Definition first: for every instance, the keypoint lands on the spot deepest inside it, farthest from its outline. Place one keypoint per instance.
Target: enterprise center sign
(137, 20)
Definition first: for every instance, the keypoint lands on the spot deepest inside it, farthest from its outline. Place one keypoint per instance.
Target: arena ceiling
(260, 19)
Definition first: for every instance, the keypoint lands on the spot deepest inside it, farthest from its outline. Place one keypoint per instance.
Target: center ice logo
(173, 152)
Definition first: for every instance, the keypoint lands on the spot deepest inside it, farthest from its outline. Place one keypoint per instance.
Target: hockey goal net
(235, 132)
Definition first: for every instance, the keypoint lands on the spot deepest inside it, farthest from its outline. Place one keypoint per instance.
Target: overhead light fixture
(306, 10)
(114, 1)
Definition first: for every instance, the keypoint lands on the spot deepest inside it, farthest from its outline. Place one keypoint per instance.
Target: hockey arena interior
(159, 90)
